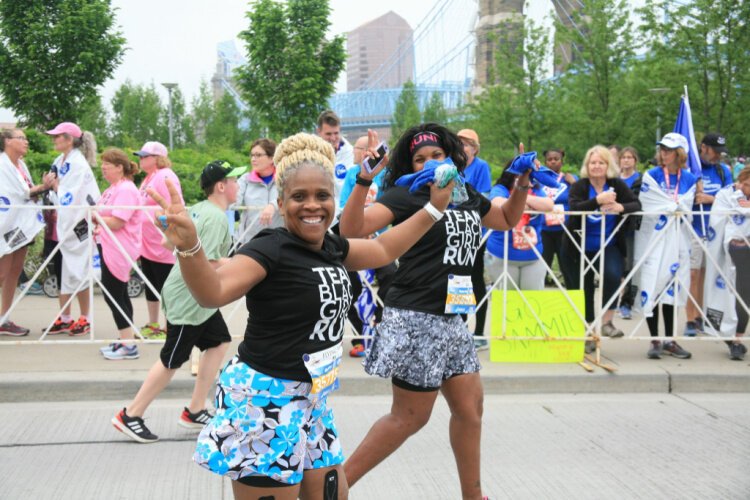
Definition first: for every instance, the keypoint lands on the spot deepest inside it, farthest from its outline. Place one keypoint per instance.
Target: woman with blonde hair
(75, 187)
(123, 226)
(18, 225)
(601, 192)
(273, 433)
(156, 260)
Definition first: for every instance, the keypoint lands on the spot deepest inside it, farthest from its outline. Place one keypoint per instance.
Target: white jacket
(18, 226)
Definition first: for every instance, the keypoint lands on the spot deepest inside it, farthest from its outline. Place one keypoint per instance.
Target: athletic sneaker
(358, 351)
(122, 351)
(108, 348)
(481, 343)
(34, 289)
(153, 331)
(611, 331)
(656, 350)
(196, 420)
(80, 327)
(133, 427)
(691, 329)
(675, 350)
(737, 351)
(625, 312)
(59, 327)
(13, 330)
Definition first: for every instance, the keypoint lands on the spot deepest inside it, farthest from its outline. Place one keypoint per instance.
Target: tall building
(380, 54)
(495, 16)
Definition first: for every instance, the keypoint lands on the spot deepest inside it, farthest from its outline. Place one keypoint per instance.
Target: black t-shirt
(300, 307)
(449, 247)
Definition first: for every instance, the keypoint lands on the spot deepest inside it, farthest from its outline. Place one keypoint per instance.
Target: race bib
(460, 298)
(524, 243)
(556, 217)
(323, 367)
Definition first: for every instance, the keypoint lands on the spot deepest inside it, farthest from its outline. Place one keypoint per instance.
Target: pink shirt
(124, 193)
(151, 247)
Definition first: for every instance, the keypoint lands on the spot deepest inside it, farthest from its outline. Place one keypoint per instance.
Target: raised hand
(173, 219)
(372, 152)
(441, 197)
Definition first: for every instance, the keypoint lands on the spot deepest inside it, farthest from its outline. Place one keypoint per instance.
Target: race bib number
(556, 217)
(323, 367)
(524, 237)
(460, 298)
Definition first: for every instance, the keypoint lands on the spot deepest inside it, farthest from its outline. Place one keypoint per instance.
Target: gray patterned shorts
(421, 349)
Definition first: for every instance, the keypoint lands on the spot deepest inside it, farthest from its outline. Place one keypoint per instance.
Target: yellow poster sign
(556, 314)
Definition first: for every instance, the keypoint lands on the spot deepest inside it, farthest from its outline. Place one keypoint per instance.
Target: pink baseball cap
(152, 148)
(66, 128)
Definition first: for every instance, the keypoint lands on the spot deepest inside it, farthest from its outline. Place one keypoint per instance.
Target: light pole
(170, 87)
(657, 91)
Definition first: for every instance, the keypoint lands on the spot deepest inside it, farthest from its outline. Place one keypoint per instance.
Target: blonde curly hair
(301, 150)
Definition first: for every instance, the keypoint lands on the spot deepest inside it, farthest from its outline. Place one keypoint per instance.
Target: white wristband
(434, 212)
(188, 253)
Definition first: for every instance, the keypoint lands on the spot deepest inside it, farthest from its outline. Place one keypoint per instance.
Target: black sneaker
(737, 351)
(675, 350)
(133, 427)
(194, 420)
(656, 350)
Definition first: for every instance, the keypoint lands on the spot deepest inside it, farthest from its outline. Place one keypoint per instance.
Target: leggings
(653, 321)
(156, 273)
(741, 258)
(553, 244)
(119, 292)
(612, 275)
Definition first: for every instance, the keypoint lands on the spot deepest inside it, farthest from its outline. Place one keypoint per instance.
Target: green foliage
(406, 112)
(54, 55)
(138, 115)
(435, 111)
(182, 124)
(94, 119)
(292, 68)
(223, 127)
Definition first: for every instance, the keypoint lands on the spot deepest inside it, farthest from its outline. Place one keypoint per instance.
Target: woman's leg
(613, 269)
(410, 411)
(465, 399)
(119, 292)
(324, 484)
(157, 379)
(532, 275)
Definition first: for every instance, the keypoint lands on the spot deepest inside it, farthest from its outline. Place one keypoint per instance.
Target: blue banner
(684, 126)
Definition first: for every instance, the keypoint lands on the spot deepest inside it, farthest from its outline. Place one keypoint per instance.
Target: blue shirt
(351, 179)
(560, 197)
(631, 180)
(712, 184)
(478, 175)
(496, 241)
(594, 225)
(687, 180)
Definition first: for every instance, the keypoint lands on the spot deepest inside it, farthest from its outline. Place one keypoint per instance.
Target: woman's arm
(114, 223)
(367, 254)
(504, 215)
(209, 286)
(627, 198)
(579, 200)
(540, 203)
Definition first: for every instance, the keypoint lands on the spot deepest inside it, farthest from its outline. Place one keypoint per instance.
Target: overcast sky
(176, 41)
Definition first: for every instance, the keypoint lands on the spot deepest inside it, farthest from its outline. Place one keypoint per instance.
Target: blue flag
(684, 126)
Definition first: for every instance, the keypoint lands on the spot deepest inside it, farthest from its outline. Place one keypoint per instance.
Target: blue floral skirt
(265, 426)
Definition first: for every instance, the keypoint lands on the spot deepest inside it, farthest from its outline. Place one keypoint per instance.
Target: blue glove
(522, 163)
(545, 177)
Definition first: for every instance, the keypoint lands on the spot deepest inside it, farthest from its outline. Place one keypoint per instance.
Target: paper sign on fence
(557, 315)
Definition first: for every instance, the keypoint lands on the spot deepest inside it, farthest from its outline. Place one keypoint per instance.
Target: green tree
(707, 42)
(138, 115)
(292, 68)
(514, 109)
(406, 111)
(224, 127)
(94, 119)
(603, 42)
(202, 112)
(435, 111)
(54, 55)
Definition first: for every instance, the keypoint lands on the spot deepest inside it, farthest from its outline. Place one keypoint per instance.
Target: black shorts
(156, 273)
(182, 338)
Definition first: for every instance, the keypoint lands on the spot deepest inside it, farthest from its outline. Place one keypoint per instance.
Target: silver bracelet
(434, 212)
(191, 252)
